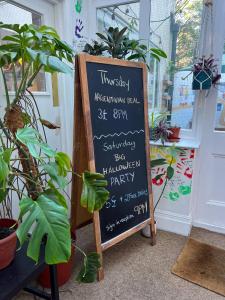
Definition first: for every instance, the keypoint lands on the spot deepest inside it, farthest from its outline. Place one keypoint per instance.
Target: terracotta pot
(174, 136)
(8, 244)
(64, 272)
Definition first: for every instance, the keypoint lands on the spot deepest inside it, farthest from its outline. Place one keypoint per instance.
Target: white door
(36, 12)
(210, 177)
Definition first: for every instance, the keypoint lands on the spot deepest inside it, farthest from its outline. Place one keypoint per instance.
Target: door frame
(206, 115)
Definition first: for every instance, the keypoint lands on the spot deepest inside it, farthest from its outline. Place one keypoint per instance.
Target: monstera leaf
(89, 270)
(31, 138)
(94, 194)
(49, 220)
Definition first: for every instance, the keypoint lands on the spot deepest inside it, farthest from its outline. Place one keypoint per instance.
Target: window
(175, 27)
(220, 106)
(124, 15)
(10, 13)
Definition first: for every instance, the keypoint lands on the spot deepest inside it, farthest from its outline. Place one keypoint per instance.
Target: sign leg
(153, 232)
(97, 234)
(100, 273)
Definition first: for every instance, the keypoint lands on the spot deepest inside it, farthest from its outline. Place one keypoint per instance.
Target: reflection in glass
(175, 27)
(220, 105)
(12, 14)
(125, 15)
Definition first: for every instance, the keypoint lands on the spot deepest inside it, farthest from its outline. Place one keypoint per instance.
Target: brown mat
(202, 264)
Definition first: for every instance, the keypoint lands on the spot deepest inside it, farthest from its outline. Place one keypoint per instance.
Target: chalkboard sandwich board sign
(113, 104)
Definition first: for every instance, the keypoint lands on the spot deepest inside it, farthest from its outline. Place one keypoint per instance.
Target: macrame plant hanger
(205, 42)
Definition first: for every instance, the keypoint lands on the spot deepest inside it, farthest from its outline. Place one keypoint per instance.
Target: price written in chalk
(117, 114)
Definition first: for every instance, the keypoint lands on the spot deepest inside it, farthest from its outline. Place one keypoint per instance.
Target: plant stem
(6, 89)
(165, 184)
(22, 86)
(14, 78)
(33, 76)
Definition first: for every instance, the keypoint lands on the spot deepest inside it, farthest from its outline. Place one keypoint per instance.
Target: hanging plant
(205, 73)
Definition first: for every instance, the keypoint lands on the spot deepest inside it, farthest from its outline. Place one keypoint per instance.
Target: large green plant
(117, 44)
(29, 167)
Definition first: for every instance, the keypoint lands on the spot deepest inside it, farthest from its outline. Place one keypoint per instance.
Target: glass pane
(10, 13)
(175, 27)
(125, 15)
(220, 106)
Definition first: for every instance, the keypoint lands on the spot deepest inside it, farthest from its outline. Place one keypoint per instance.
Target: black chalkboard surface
(112, 137)
(118, 127)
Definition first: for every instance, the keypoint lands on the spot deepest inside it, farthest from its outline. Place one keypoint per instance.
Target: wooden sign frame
(84, 157)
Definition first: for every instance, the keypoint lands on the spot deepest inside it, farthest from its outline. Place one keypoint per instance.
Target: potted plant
(205, 73)
(30, 170)
(159, 129)
(117, 44)
(174, 133)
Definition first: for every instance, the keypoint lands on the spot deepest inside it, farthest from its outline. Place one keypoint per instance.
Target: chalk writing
(115, 100)
(126, 166)
(118, 82)
(117, 134)
(116, 146)
(111, 226)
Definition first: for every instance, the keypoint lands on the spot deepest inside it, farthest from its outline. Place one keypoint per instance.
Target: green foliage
(169, 172)
(117, 44)
(53, 193)
(158, 162)
(36, 172)
(41, 46)
(89, 269)
(189, 20)
(49, 220)
(52, 169)
(94, 194)
(95, 49)
(4, 170)
(63, 162)
(32, 139)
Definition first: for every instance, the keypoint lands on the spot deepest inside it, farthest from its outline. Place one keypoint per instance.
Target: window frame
(188, 136)
(48, 81)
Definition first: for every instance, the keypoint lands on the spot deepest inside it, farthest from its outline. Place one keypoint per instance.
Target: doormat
(203, 265)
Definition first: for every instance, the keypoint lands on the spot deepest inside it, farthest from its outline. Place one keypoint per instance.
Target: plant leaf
(31, 138)
(94, 194)
(4, 170)
(49, 220)
(57, 65)
(63, 162)
(170, 172)
(88, 273)
(158, 162)
(159, 52)
(54, 194)
(52, 170)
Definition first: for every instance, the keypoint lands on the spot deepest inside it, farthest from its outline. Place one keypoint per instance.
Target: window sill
(183, 143)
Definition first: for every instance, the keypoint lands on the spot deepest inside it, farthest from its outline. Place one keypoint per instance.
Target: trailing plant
(208, 64)
(30, 169)
(159, 128)
(117, 44)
